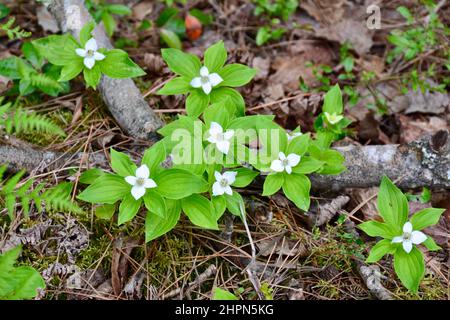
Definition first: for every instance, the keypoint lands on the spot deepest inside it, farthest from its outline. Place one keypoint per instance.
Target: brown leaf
(142, 9)
(326, 11)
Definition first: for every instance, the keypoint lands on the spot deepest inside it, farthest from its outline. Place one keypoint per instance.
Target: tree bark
(122, 97)
(414, 165)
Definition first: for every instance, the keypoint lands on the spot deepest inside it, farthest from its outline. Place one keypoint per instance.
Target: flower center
(406, 236)
(205, 79)
(285, 162)
(140, 181)
(223, 183)
(90, 53)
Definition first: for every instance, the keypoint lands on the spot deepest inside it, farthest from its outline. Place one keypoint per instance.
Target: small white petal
(281, 156)
(230, 176)
(217, 189)
(217, 175)
(417, 237)
(207, 87)
(407, 246)
(228, 134)
(91, 45)
(407, 227)
(215, 79)
(212, 139)
(293, 159)
(81, 52)
(149, 183)
(288, 169)
(196, 82)
(223, 146)
(277, 166)
(143, 172)
(89, 62)
(228, 190)
(99, 56)
(215, 129)
(397, 239)
(137, 191)
(204, 72)
(131, 180)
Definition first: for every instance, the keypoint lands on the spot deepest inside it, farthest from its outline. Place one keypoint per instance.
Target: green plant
(75, 57)
(401, 234)
(18, 283)
(14, 119)
(14, 190)
(102, 11)
(207, 83)
(30, 73)
(274, 10)
(14, 33)
(220, 294)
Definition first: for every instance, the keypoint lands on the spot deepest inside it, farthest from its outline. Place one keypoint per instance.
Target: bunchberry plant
(206, 83)
(86, 56)
(18, 283)
(30, 73)
(104, 12)
(401, 234)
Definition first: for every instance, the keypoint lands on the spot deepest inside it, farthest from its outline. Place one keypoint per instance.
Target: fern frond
(44, 82)
(14, 33)
(59, 199)
(29, 122)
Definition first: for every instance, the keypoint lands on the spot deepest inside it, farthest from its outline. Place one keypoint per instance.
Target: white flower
(89, 53)
(292, 135)
(206, 80)
(223, 182)
(409, 237)
(140, 182)
(219, 138)
(284, 163)
(333, 118)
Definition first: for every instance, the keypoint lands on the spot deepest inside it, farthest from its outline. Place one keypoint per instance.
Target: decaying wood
(121, 96)
(425, 162)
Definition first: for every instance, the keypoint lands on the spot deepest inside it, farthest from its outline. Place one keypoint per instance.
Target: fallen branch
(122, 97)
(422, 163)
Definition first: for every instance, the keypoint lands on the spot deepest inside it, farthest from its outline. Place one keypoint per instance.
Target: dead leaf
(281, 245)
(414, 129)
(326, 11)
(142, 9)
(323, 213)
(263, 66)
(46, 20)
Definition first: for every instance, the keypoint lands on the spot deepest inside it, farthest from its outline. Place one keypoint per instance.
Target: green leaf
(262, 36)
(58, 50)
(32, 55)
(379, 250)
(155, 226)
(128, 208)
(27, 281)
(181, 63)
(272, 184)
(379, 229)
(236, 75)
(155, 203)
(215, 57)
(122, 164)
(308, 165)
(9, 68)
(220, 294)
(117, 64)
(221, 93)
(70, 71)
(406, 14)
(92, 76)
(154, 156)
(86, 32)
(196, 103)
(409, 267)
(170, 38)
(89, 176)
(108, 188)
(118, 9)
(296, 188)
(200, 211)
(179, 85)
(109, 23)
(299, 145)
(4, 11)
(8, 259)
(218, 112)
(244, 177)
(392, 203)
(105, 211)
(430, 244)
(219, 203)
(333, 101)
(235, 203)
(426, 217)
(178, 184)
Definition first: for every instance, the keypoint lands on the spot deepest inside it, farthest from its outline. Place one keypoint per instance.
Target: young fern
(13, 191)
(14, 33)
(17, 120)
(44, 82)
